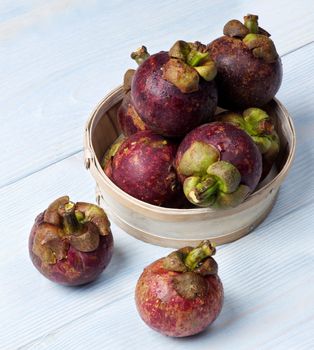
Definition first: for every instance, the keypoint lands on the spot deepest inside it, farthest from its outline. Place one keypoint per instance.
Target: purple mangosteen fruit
(129, 120)
(71, 243)
(258, 124)
(142, 166)
(219, 165)
(249, 68)
(173, 92)
(180, 295)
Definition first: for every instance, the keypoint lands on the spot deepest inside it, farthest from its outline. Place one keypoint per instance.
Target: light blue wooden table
(58, 59)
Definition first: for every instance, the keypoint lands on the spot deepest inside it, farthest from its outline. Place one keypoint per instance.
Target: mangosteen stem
(251, 23)
(204, 250)
(140, 55)
(200, 190)
(70, 221)
(221, 177)
(206, 189)
(194, 58)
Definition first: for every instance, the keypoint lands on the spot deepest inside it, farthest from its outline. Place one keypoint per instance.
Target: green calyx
(258, 124)
(193, 54)
(207, 70)
(253, 36)
(262, 47)
(48, 244)
(233, 118)
(51, 214)
(184, 77)
(222, 179)
(190, 285)
(227, 176)
(66, 224)
(78, 228)
(197, 158)
(191, 265)
(87, 212)
(188, 62)
(209, 179)
(87, 239)
(231, 200)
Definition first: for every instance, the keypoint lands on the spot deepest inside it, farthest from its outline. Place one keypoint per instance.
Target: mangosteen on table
(71, 243)
(142, 166)
(259, 126)
(181, 294)
(219, 165)
(173, 92)
(249, 68)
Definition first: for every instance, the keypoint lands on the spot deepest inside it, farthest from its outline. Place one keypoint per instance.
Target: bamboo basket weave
(179, 227)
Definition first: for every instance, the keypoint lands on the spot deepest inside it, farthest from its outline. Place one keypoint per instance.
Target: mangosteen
(258, 124)
(219, 165)
(249, 68)
(173, 92)
(142, 166)
(180, 295)
(71, 243)
(129, 120)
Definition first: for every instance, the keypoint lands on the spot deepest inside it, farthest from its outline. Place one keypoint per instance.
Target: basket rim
(115, 96)
(175, 242)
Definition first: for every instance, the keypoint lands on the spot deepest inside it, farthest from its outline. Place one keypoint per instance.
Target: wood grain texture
(61, 57)
(267, 278)
(58, 59)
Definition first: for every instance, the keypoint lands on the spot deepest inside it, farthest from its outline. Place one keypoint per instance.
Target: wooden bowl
(179, 227)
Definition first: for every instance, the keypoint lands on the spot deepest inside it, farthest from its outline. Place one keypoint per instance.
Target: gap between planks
(38, 170)
(55, 330)
(297, 49)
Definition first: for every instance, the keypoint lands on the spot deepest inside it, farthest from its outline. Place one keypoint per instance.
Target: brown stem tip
(140, 55)
(251, 22)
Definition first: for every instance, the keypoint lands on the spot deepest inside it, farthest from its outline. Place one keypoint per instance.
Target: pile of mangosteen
(177, 150)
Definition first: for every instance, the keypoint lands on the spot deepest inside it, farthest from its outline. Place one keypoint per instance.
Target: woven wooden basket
(179, 227)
